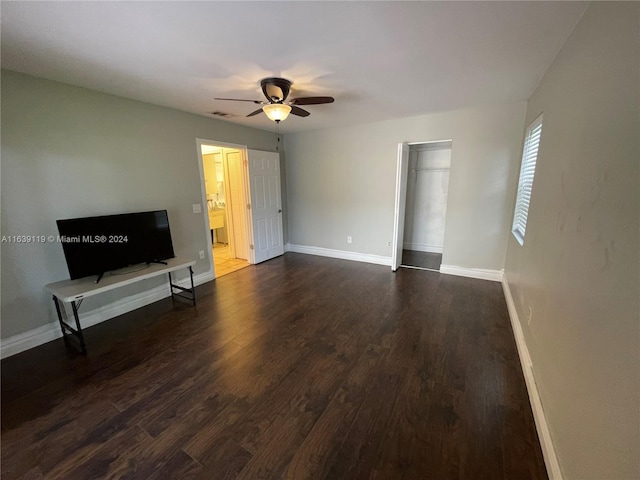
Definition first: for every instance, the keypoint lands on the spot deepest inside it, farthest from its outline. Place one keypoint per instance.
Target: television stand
(75, 291)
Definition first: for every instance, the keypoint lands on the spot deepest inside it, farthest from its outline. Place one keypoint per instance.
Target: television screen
(95, 245)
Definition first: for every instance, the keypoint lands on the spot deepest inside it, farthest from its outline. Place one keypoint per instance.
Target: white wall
(579, 266)
(72, 152)
(342, 182)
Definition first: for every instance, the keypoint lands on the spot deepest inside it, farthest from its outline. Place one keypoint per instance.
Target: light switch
(197, 208)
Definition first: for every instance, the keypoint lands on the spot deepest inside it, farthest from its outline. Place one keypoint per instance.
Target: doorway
(226, 200)
(421, 203)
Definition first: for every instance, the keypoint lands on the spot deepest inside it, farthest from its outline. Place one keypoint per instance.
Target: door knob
(279, 210)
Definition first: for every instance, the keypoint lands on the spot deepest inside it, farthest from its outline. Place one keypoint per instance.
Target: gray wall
(70, 152)
(342, 182)
(579, 266)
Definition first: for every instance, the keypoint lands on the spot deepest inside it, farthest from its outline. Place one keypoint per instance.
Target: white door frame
(207, 229)
(402, 170)
(401, 199)
(251, 258)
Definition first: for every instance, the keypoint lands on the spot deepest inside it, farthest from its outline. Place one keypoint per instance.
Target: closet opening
(421, 204)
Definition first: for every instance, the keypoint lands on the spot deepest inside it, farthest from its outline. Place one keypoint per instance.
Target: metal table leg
(182, 293)
(68, 329)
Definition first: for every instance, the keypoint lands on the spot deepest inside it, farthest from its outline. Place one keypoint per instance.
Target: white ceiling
(380, 60)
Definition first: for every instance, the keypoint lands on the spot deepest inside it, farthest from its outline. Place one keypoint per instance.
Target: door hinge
(251, 246)
(248, 206)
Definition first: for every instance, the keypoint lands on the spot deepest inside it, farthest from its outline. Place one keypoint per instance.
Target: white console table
(75, 291)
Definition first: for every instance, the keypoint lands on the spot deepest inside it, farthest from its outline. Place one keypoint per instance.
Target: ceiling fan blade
(255, 113)
(299, 111)
(311, 100)
(241, 100)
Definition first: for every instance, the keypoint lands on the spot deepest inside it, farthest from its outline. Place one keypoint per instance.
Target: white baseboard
(546, 442)
(482, 274)
(421, 247)
(342, 254)
(40, 335)
(30, 339)
(494, 275)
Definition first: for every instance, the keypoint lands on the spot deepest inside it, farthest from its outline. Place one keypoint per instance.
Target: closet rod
(429, 170)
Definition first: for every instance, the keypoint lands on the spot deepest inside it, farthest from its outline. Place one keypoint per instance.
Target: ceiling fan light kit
(276, 111)
(276, 90)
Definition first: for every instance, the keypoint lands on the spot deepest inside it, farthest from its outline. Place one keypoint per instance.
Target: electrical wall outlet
(349, 239)
(388, 244)
(197, 208)
(201, 253)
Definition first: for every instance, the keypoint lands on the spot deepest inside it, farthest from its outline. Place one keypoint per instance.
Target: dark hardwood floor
(301, 368)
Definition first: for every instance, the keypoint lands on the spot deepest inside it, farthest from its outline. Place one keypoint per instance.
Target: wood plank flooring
(299, 368)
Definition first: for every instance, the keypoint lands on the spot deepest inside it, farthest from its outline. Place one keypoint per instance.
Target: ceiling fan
(276, 90)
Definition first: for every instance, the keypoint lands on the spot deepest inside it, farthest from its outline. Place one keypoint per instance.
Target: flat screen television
(95, 245)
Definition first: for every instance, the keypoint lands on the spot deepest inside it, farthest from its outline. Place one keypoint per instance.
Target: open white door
(266, 205)
(401, 201)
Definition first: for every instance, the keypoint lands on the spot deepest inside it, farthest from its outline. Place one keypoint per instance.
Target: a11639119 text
(25, 239)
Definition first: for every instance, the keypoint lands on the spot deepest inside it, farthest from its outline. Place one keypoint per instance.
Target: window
(527, 171)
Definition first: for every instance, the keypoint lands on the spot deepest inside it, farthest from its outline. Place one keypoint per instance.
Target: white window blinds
(527, 171)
